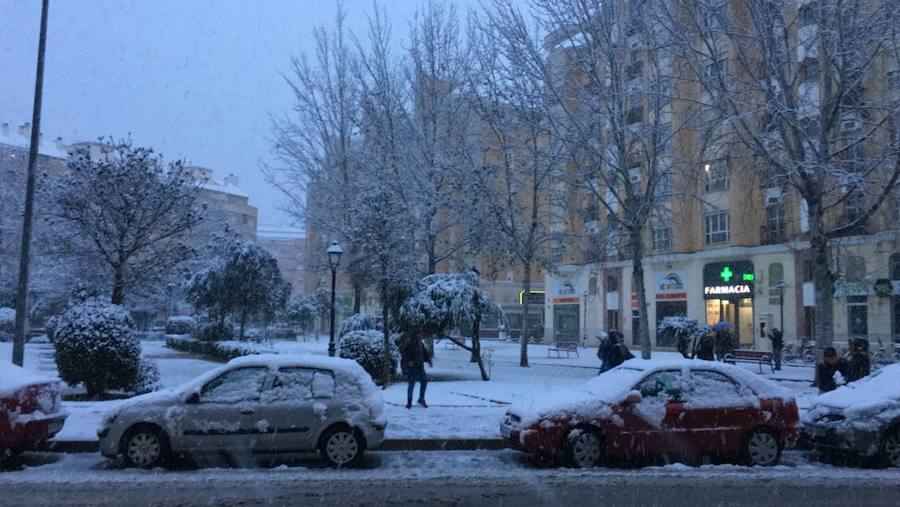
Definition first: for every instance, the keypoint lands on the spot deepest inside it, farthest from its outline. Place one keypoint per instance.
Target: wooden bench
(757, 357)
(563, 348)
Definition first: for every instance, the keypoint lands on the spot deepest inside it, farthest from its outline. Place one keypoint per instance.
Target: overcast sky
(194, 79)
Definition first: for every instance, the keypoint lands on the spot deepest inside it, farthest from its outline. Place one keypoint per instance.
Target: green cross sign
(726, 274)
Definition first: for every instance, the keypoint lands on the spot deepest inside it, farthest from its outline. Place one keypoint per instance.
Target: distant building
(288, 246)
(227, 203)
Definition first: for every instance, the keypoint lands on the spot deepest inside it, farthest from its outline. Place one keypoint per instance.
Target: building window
(718, 227)
(715, 71)
(774, 223)
(857, 316)
(662, 238)
(612, 283)
(717, 178)
(895, 299)
(776, 277)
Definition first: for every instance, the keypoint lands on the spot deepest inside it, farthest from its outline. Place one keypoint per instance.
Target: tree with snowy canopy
(245, 282)
(96, 345)
(303, 312)
(685, 331)
(444, 301)
(126, 209)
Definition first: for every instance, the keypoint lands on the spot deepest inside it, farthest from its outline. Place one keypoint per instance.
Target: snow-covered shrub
(675, 328)
(180, 325)
(147, 378)
(367, 348)
(223, 351)
(359, 322)
(213, 331)
(7, 324)
(96, 345)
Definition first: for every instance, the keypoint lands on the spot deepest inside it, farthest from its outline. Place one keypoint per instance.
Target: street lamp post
(334, 260)
(781, 285)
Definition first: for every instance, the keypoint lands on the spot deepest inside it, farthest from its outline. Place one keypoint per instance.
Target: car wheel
(762, 449)
(891, 447)
(583, 448)
(145, 447)
(8, 454)
(341, 446)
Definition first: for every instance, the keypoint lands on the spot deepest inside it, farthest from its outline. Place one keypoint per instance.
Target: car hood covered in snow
(592, 400)
(878, 391)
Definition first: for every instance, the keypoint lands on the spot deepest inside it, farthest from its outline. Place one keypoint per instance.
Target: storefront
(671, 301)
(728, 294)
(566, 315)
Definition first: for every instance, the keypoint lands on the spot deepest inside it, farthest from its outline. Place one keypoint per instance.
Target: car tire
(145, 446)
(342, 447)
(9, 454)
(890, 447)
(583, 448)
(762, 448)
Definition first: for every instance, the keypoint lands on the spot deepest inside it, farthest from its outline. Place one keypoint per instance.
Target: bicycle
(803, 351)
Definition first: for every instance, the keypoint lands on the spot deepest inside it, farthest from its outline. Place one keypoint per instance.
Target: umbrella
(723, 326)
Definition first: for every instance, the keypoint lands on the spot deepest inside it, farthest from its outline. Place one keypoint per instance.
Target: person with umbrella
(724, 340)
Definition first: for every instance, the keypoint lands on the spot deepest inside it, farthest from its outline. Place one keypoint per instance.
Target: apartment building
(735, 246)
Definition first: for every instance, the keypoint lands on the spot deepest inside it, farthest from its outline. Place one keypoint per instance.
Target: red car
(651, 408)
(30, 409)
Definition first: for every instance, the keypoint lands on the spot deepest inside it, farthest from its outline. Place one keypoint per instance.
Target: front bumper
(374, 435)
(840, 437)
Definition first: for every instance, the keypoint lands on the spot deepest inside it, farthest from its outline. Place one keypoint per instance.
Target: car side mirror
(633, 398)
(193, 398)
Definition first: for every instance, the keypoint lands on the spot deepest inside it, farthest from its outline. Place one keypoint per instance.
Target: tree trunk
(386, 367)
(823, 280)
(476, 345)
(357, 297)
(243, 321)
(118, 290)
(637, 282)
(523, 338)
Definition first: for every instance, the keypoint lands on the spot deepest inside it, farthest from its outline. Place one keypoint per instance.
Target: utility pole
(28, 217)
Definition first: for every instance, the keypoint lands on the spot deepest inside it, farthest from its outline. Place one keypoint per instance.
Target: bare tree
(519, 179)
(318, 149)
(802, 90)
(443, 126)
(127, 211)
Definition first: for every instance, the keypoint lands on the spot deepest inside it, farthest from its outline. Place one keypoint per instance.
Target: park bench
(567, 348)
(757, 357)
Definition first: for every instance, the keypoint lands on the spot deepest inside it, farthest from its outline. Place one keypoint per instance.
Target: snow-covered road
(441, 478)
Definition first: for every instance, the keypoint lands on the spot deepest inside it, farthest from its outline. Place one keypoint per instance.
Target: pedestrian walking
(603, 350)
(413, 358)
(777, 346)
(830, 364)
(724, 340)
(859, 365)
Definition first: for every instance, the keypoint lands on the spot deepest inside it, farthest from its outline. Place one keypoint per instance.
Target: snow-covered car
(253, 404)
(659, 407)
(861, 418)
(30, 409)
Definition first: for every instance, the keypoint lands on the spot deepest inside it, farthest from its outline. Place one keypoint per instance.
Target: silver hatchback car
(255, 404)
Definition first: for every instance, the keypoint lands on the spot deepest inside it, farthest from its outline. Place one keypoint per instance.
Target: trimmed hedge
(180, 325)
(222, 351)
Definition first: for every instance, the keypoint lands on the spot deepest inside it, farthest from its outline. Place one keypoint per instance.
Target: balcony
(772, 235)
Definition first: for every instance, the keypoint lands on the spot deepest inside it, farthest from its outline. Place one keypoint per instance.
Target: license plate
(54, 426)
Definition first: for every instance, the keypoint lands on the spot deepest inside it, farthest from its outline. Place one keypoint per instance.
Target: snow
(13, 378)
(878, 388)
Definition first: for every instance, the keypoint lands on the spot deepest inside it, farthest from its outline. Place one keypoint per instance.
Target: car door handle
(248, 411)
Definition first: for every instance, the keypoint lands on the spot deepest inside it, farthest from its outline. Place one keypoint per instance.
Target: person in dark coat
(777, 346)
(619, 354)
(859, 365)
(683, 343)
(705, 347)
(603, 351)
(724, 343)
(827, 367)
(413, 358)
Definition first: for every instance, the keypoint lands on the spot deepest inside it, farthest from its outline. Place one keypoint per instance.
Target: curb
(391, 444)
